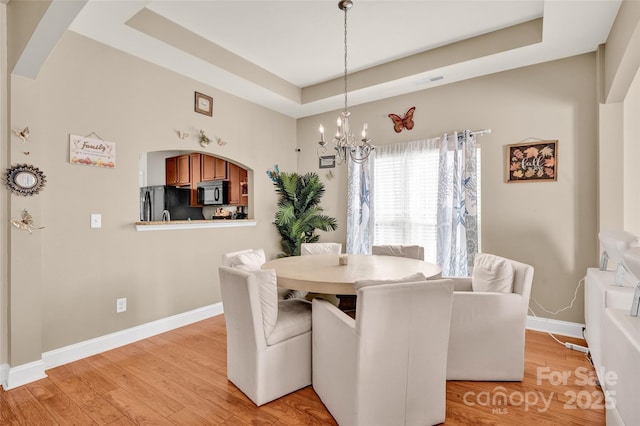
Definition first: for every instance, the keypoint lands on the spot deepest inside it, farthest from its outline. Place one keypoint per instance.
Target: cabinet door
(208, 167)
(183, 170)
(234, 184)
(177, 170)
(238, 194)
(171, 170)
(196, 164)
(220, 169)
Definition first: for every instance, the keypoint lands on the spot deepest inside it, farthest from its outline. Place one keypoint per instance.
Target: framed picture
(204, 104)
(532, 161)
(327, 162)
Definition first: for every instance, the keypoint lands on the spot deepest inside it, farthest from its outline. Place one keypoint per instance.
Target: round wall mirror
(24, 179)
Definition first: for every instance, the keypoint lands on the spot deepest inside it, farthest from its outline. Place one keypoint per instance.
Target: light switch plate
(96, 220)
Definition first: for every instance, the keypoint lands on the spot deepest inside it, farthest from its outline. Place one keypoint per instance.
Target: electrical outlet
(121, 305)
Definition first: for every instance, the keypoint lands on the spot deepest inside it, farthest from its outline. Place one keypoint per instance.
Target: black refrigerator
(154, 200)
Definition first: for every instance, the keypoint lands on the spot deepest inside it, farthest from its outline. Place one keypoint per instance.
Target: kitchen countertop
(193, 224)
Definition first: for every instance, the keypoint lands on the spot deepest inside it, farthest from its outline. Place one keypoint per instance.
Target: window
(405, 195)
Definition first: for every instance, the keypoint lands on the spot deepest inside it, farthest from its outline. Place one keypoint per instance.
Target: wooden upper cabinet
(191, 169)
(213, 168)
(208, 167)
(195, 172)
(178, 172)
(237, 185)
(221, 168)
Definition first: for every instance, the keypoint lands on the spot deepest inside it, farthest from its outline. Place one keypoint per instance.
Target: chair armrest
(461, 283)
(329, 321)
(333, 351)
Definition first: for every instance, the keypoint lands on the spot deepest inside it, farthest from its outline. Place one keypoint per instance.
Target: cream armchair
(320, 248)
(486, 341)
(268, 341)
(388, 366)
(413, 252)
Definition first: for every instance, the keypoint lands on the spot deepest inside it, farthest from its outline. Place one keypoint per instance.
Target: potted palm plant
(299, 213)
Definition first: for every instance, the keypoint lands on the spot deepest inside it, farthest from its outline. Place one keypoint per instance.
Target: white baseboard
(17, 376)
(563, 328)
(95, 346)
(22, 374)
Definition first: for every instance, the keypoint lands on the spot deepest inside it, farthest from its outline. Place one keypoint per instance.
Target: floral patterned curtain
(457, 204)
(359, 226)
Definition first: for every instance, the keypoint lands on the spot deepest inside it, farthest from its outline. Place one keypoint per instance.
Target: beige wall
(551, 226)
(619, 127)
(76, 273)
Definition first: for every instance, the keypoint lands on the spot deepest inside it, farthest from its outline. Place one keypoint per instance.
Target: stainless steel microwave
(215, 192)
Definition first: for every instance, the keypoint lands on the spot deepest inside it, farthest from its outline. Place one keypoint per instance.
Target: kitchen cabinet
(238, 190)
(196, 177)
(189, 170)
(177, 171)
(221, 168)
(213, 168)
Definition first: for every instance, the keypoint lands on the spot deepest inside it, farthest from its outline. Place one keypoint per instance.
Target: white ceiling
(268, 52)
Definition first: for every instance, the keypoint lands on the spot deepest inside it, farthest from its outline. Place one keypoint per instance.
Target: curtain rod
(473, 132)
(481, 132)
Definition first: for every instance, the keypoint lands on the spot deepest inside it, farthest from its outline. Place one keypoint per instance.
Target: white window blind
(405, 194)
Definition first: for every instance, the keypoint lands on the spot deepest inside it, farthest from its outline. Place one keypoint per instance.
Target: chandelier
(347, 146)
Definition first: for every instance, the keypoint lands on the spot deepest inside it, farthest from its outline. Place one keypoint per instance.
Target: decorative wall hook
(22, 134)
(26, 224)
(182, 135)
(220, 141)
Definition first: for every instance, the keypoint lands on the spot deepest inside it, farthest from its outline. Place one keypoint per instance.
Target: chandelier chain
(345, 60)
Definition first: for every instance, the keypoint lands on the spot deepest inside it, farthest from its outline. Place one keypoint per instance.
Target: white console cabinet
(613, 337)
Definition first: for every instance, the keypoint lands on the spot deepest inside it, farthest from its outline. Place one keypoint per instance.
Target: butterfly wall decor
(22, 134)
(405, 122)
(26, 224)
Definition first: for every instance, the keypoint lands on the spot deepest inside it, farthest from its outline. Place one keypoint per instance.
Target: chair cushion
(418, 276)
(248, 261)
(492, 274)
(294, 318)
(268, 291)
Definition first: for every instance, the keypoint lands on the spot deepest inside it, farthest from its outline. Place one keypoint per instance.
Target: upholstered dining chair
(248, 259)
(411, 251)
(268, 341)
(488, 322)
(388, 365)
(320, 248)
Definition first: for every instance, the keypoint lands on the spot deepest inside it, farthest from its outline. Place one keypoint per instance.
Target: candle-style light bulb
(321, 133)
(339, 121)
(364, 130)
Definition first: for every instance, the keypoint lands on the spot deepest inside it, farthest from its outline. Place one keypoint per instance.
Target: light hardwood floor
(179, 378)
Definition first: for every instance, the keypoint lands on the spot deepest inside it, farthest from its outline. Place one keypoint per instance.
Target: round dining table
(323, 273)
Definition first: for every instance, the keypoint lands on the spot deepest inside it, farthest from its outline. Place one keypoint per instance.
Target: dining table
(336, 274)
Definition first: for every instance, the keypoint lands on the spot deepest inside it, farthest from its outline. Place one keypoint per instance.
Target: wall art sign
(532, 161)
(204, 104)
(92, 151)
